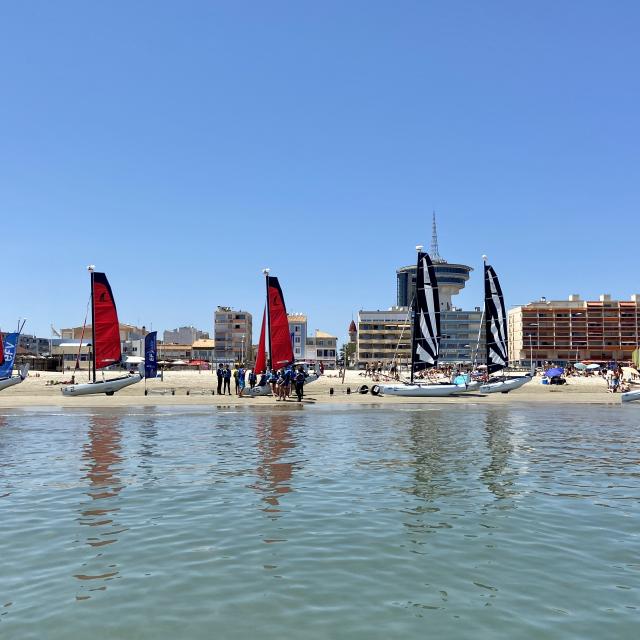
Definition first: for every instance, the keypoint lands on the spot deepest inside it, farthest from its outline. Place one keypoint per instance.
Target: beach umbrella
(581, 366)
(593, 367)
(555, 371)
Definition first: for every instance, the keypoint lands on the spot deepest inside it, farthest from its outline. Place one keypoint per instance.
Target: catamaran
(8, 349)
(425, 339)
(274, 338)
(105, 330)
(495, 317)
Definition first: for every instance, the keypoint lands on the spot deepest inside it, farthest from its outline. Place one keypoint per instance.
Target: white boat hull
(109, 387)
(630, 396)
(10, 382)
(504, 386)
(421, 390)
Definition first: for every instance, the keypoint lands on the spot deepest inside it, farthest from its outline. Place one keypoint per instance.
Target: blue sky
(183, 146)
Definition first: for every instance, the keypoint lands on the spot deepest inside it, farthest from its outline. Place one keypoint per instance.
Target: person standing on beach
(220, 374)
(226, 378)
(252, 378)
(299, 383)
(240, 380)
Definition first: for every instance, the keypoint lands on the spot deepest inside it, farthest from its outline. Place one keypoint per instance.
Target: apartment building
(385, 335)
(574, 330)
(233, 330)
(298, 333)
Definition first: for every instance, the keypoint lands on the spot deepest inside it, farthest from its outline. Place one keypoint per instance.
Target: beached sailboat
(495, 316)
(425, 339)
(274, 348)
(8, 348)
(105, 330)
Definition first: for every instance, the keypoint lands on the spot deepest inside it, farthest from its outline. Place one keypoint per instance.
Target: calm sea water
(321, 522)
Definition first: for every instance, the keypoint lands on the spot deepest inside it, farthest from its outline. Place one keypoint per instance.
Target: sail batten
(426, 317)
(495, 322)
(106, 328)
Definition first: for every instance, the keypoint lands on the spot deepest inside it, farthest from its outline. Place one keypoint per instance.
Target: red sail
(280, 340)
(106, 329)
(261, 360)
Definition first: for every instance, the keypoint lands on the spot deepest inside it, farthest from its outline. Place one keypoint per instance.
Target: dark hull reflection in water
(102, 458)
(499, 477)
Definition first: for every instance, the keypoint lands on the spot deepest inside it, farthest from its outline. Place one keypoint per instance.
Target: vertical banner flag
(9, 352)
(151, 355)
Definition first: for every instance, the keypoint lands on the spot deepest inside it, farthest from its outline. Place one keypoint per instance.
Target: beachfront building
(68, 346)
(298, 333)
(33, 346)
(385, 336)
(573, 330)
(322, 348)
(233, 330)
(184, 335)
(203, 349)
(174, 352)
(127, 332)
(451, 277)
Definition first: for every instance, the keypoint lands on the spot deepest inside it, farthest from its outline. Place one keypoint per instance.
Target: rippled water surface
(321, 522)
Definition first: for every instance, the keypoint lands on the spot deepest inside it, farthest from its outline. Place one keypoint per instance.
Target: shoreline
(194, 389)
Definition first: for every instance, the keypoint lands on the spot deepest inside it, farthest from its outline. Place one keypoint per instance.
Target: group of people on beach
(281, 380)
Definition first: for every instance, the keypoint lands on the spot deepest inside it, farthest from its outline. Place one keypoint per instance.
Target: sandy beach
(195, 388)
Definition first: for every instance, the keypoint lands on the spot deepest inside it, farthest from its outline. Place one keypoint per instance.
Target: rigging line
(86, 315)
(402, 332)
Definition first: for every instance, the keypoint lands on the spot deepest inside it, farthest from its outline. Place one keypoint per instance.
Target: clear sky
(183, 146)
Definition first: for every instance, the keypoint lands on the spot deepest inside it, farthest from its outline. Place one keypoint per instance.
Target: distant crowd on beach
(282, 381)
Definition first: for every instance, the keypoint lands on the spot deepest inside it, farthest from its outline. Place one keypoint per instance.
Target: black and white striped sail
(495, 322)
(426, 317)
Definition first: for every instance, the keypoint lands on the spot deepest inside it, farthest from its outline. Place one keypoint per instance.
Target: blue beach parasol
(552, 373)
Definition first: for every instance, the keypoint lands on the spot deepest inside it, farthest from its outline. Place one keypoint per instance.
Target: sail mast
(91, 269)
(266, 281)
(416, 319)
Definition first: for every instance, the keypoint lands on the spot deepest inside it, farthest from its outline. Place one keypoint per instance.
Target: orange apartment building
(574, 330)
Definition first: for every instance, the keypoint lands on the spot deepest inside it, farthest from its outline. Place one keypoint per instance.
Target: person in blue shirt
(252, 379)
(288, 377)
(241, 374)
(273, 381)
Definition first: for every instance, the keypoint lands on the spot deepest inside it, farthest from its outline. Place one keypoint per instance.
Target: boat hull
(630, 396)
(108, 387)
(10, 382)
(504, 386)
(421, 390)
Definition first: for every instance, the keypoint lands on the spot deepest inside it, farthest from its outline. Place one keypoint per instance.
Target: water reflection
(274, 442)
(148, 447)
(102, 455)
(497, 475)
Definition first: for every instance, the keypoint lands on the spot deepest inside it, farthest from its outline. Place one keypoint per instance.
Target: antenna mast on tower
(433, 252)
